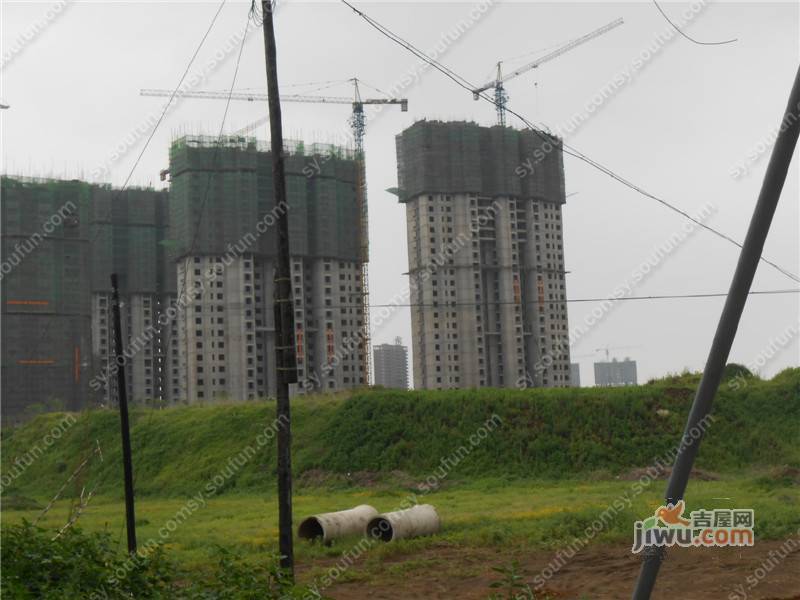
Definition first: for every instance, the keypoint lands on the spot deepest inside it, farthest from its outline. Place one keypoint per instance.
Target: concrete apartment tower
(486, 257)
(223, 215)
(391, 365)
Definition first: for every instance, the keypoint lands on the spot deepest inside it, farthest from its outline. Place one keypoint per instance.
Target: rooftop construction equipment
(498, 83)
(357, 120)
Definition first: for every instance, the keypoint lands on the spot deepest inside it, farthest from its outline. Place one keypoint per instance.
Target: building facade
(46, 343)
(486, 256)
(615, 373)
(226, 329)
(129, 234)
(575, 375)
(390, 363)
(61, 242)
(195, 267)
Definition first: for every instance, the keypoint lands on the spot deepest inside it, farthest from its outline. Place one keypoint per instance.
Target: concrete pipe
(335, 525)
(421, 519)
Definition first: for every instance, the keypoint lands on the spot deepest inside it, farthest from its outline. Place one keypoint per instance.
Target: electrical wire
(220, 135)
(599, 299)
(250, 16)
(202, 206)
(571, 151)
(163, 114)
(490, 303)
(691, 39)
(177, 87)
(172, 97)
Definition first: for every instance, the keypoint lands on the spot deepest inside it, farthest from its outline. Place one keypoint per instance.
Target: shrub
(80, 565)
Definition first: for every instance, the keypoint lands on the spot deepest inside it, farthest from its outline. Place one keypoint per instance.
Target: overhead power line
(172, 97)
(577, 300)
(691, 39)
(119, 192)
(220, 135)
(461, 81)
(446, 304)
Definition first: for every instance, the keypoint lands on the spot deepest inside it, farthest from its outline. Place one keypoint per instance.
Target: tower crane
(358, 123)
(498, 83)
(607, 349)
(357, 118)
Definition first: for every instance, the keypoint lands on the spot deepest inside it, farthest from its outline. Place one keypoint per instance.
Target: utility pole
(285, 360)
(728, 323)
(122, 400)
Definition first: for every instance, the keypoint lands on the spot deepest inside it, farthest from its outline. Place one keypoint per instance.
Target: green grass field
(537, 477)
(541, 433)
(529, 514)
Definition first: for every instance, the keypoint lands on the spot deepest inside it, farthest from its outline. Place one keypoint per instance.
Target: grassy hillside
(540, 433)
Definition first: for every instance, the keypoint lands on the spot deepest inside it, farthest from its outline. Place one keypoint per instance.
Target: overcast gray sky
(688, 117)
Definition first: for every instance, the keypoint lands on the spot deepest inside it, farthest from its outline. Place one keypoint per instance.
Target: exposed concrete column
(467, 287)
(534, 310)
(419, 246)
(504, 225)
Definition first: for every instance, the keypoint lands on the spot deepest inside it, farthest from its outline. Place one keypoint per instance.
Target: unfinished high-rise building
(46, 312)
(195, 268)
(61, 242)
(486, 256)
(223, 215)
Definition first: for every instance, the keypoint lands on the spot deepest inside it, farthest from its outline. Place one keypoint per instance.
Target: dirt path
(600, 573)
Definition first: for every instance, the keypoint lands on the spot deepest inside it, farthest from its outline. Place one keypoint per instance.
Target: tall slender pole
(285, 365)
(122, 397)
(729, 321)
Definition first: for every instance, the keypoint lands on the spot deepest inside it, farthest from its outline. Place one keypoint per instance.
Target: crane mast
(358, 123)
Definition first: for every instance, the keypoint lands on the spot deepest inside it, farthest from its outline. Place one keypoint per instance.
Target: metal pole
(122, 397)
(728, 322)
(285, 366)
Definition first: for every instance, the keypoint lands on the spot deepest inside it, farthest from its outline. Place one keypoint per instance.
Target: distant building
(391, 365)
(574, 375)
(616, 372)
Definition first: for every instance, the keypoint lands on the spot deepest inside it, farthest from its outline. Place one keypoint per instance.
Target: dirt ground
(599, 573)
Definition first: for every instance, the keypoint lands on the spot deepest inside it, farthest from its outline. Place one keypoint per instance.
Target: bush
(75, 565)
(79, 565)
